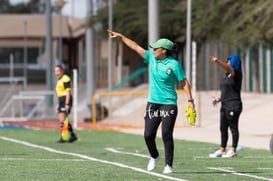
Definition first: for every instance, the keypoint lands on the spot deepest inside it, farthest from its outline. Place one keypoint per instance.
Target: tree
(240, 24)
(4, 4)
(235, 22)
(131, 18)
(31, 7)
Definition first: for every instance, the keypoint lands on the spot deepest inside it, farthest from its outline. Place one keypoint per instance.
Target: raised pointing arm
(130, 43)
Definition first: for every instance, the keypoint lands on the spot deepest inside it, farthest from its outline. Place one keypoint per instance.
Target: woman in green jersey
(164, 72)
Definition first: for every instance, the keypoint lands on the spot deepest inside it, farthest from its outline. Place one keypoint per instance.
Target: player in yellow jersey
(64, 106)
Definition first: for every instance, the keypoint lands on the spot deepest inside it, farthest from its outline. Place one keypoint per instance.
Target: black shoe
(72, 138)
(61, 141)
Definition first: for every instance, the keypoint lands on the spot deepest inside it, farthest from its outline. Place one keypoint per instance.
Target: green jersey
(163, 75)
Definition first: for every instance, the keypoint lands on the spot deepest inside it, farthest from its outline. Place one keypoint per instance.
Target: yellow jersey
(63, 85)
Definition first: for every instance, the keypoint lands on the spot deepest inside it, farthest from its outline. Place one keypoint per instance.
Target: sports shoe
(229, 154)
(152, 163)
(167, 169)
(72, 138)
(61, 141)
(216, 154)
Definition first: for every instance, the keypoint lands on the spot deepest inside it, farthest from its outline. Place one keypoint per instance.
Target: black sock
(70, 129)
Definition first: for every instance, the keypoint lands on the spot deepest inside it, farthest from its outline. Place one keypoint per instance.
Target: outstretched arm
(225, 66)
(130, 43)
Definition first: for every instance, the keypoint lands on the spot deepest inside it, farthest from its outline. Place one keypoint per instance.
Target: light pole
(90, 57)
(153, 20)
(59, 4)
(25, 51)
(188, 42)
(49, 71)
(110, 26)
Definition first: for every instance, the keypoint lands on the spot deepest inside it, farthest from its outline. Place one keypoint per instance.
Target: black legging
(229, 118)
(155, 114)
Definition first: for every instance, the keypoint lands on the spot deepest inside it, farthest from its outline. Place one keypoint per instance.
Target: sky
(79, 8)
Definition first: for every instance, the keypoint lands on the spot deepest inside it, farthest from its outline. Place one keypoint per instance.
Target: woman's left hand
(191, 104)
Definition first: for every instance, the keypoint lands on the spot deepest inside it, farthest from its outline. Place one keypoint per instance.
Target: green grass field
(108, 155)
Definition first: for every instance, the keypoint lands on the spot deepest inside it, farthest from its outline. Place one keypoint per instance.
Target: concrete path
(255, 125)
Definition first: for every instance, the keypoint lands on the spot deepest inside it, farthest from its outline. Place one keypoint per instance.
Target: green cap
(162, 43)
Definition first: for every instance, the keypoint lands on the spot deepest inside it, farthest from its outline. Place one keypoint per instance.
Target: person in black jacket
(231, 104)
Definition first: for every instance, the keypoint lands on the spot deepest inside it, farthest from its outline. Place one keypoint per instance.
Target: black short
(62, 105)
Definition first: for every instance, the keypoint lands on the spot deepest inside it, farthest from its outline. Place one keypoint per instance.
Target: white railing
(12, 88)
(28, 105)
(14, 80)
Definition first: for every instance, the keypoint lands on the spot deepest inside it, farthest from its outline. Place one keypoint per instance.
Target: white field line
(199, 157)
(90, 158)
(127, 153)
(238, 173)
(247, 157)
(259, 157)
(42, 159)
(265, 168)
